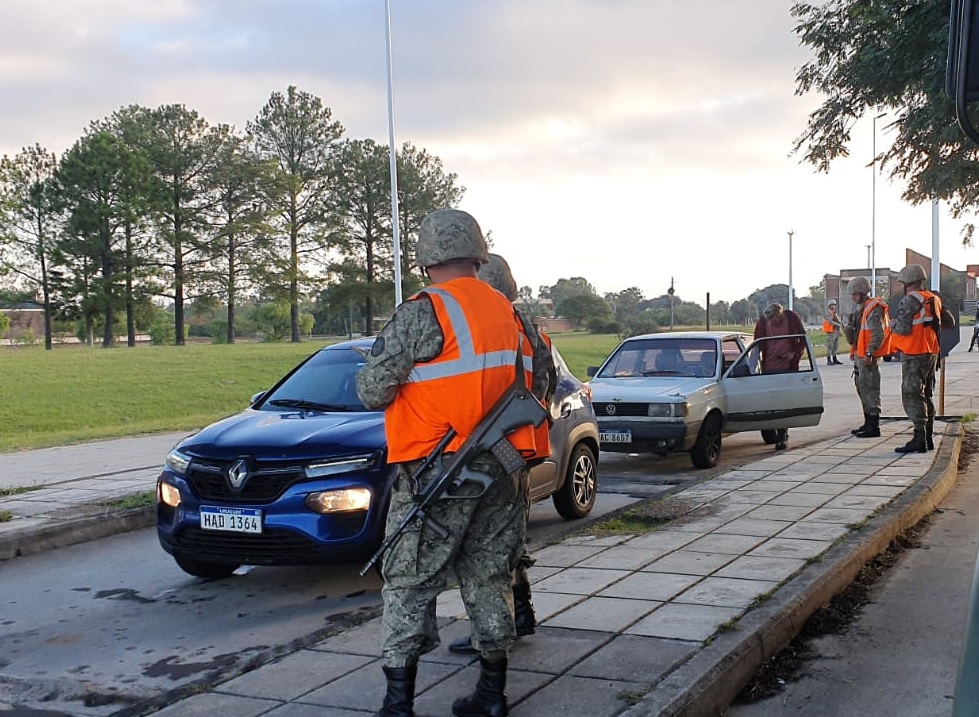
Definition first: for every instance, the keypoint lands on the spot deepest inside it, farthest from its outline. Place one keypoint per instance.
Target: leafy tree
(625, 303)
(241, 243)
(300, 135)
(273, 319)
(720, 313)
(4, 324)
(185, 152)
(29, 222)
(566, 288)
(94, 181)
(580, 308)
(873, 55)
(423, 187)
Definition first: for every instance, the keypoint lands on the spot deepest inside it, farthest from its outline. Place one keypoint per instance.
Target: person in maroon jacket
(781, 355)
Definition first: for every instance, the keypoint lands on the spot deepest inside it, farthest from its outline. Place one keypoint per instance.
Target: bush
(604, 326)
(641, 326)
(162, 331)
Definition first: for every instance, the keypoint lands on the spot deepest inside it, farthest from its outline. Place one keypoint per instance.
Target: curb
(31, 541)
(709, 681)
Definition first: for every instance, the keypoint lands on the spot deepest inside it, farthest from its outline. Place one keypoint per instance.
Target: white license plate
(233, 520)
(615, 437)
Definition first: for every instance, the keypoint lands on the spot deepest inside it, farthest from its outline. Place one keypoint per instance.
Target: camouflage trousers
(918, 387)
(832, 344)
(486, 537)
(867, 381)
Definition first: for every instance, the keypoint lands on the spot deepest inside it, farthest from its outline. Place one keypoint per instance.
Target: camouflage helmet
(448, 236)
(911, 274)
(860, 285)
(496, 273)
(831, 302)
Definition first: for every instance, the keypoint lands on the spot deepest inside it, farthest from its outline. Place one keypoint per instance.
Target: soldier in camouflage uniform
(868, 332)
(497, 274)
(914, 320)
(486, 535)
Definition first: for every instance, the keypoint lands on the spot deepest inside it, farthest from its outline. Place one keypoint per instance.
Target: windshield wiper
(663, 372)
(306, 405)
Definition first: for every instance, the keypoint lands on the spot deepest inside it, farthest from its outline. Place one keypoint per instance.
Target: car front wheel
(770, 436)
(205, 569)
(577, 496)
(707, 450)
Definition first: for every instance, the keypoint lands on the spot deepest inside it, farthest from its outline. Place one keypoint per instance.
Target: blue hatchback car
(300, 477)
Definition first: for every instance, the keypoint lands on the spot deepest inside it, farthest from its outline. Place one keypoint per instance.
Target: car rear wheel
(707, 450)
(577, 496)
(770, 436)
(205, 569)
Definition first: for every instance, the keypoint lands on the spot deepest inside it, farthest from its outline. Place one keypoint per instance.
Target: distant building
(958, 284)
(25, 317)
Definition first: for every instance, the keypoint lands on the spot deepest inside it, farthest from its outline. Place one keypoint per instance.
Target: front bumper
(648, 436)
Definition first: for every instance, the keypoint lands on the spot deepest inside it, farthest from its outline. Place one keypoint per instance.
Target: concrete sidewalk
(671, 622)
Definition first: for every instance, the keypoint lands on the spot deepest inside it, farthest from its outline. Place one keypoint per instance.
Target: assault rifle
(516, 408)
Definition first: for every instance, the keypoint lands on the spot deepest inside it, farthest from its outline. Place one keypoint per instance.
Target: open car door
(758, 401)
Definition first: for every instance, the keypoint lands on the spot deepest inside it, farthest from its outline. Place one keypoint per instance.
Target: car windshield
(662, 357)
(326, 382)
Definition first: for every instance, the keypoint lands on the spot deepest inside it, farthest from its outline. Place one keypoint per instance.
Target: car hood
(644, 388)
(284, 435)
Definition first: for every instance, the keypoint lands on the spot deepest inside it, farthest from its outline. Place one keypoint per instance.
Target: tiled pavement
(624, 617)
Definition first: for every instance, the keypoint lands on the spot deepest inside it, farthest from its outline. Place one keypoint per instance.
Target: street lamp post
(868, 256)
(873, 208)
(790, 269)
(395, 229)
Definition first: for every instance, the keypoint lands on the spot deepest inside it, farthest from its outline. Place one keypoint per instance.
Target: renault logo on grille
(610, 409)
(238, 474)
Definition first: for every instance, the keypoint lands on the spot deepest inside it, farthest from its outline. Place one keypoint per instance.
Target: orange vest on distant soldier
(482, 341)
(923, 338)
(863, 337)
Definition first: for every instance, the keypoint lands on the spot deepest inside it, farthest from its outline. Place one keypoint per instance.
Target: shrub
(161, 331)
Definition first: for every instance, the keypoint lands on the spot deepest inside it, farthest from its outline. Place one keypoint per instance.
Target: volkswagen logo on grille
(610, 409)
(238, 474)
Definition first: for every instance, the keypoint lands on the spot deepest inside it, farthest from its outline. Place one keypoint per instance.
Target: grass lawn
(74, 393)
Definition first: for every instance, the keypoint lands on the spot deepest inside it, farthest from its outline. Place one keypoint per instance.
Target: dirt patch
(649, 516)
(834, 618)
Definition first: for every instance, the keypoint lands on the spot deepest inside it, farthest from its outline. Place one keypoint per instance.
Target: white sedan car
(669, 392)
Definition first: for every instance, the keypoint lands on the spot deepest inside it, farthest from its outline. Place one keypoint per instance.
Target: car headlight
(339, 501)
(168, 494)
(667, 410)
(339, 465)
(177, 462)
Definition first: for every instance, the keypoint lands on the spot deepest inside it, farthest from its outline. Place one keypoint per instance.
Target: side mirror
(592, 370)
(256, 398)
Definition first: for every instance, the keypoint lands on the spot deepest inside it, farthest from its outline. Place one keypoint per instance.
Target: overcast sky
(625, 141)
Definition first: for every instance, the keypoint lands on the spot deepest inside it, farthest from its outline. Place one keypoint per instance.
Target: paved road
(116, 617)
(901, 655)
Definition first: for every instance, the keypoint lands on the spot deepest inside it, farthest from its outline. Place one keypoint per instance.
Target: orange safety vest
(827, 327)
(542, 434)
(923, 338)
(863, 337)
(481, 343)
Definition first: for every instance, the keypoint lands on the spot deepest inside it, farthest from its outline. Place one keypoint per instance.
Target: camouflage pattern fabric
(867, 381)
(918, 387)
(486, 537)
(832, 344)
(901, 322)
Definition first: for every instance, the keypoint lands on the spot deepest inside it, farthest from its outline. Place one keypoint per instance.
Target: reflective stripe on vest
(923, 338)
(469, 361)
(863, 338)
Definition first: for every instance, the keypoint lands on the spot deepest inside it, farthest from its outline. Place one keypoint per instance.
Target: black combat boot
(871, 429)
(866, 419)
(524, 618)
(400, 698)
(930, 434)
(489, 699)
(916, 444)
(462, 646)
